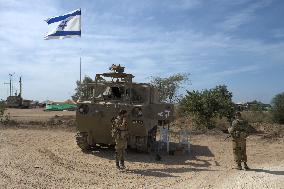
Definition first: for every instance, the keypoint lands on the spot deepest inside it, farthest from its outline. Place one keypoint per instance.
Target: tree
(224, 106)
(82, 90)
(168, 87)
(278, 108)
(205, 105)
(255, 106)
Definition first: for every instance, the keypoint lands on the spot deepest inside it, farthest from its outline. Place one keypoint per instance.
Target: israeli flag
(65, 26)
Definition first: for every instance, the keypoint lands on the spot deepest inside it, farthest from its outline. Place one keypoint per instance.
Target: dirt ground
(50, 158)
(36, 115)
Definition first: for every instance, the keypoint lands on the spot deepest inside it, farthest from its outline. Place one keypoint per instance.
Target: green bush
(2, 108)
(277, 109)
(4, 118)
(205, 105)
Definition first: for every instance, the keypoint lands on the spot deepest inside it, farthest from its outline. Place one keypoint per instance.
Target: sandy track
(50, 159)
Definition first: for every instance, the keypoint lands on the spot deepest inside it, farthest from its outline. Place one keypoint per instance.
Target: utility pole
(20, 81)
(10, 84)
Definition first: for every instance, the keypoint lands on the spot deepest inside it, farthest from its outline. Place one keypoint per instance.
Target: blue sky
(237, 43)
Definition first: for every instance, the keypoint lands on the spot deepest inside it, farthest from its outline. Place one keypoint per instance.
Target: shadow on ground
(268, 171)
(167, 172)
(193, 158)
(198, 150)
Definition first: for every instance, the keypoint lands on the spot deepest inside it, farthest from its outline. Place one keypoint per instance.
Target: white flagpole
(80, 71)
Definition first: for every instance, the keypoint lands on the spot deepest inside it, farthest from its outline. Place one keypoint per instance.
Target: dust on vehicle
(111, 92)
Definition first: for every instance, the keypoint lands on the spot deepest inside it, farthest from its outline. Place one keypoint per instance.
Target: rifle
(229, 136)
(226, 132)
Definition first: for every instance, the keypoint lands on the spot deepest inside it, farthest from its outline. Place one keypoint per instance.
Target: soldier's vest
(119, 129)
(240, 130)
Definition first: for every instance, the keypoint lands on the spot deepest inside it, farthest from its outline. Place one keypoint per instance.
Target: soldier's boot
(122, 166)
(238, 167)
(117, 164)
(246, 167)
(116, 161)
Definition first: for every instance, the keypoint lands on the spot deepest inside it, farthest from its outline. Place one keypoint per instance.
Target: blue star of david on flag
(65, 26)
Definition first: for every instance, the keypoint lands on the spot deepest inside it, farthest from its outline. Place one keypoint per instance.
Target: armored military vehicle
(112, 92)
(17, 101)
(14, 101)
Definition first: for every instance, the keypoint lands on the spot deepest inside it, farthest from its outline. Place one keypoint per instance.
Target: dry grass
(257, 116)
(259, 123)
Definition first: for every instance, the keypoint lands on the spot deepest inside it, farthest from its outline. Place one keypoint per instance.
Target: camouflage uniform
(239, 133)
(120, 133)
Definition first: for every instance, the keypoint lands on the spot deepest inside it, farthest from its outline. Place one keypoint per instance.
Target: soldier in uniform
(239, 133)
(120, 134)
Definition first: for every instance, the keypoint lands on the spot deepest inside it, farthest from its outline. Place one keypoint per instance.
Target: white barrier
(184, 140)
(164, 137)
